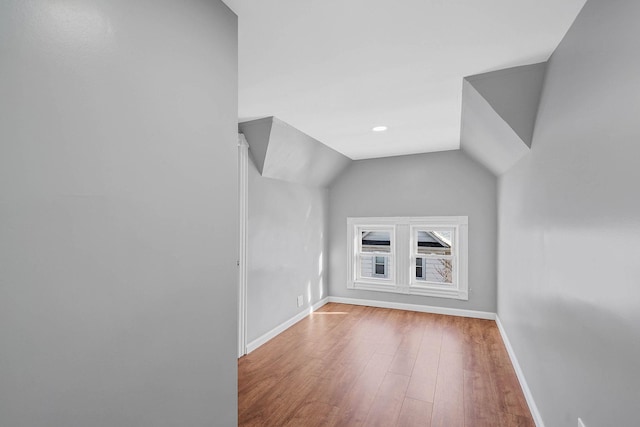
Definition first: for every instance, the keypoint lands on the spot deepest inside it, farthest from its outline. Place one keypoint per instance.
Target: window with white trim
(433, 250)
(409, 255)
(374, 253)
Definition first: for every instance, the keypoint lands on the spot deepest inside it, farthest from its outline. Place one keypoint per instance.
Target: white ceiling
(335, 69)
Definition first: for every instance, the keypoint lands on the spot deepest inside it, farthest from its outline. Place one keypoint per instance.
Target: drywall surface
(499, 112)
(569, 220)
(514, 94)
(445, 183)
(258, 132)
(118, 213)
(485, 136)
(286, 251)
(281, 151)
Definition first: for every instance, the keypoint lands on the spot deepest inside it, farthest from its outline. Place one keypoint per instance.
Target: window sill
(422, 290)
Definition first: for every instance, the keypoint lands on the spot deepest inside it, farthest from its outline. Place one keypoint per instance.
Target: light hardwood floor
(347, 365)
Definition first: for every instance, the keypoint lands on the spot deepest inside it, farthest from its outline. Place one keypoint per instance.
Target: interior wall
(118, 213)
(286, 250)
(444, 183)
(569, 220)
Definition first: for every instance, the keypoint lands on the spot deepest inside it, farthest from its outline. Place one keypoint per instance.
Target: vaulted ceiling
(336, 69)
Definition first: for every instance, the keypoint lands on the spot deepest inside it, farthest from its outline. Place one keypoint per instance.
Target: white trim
(416, 307)
(243, 194)
(535, 413)
(284, 326)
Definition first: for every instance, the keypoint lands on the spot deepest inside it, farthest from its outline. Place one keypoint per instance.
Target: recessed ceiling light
(379, 129)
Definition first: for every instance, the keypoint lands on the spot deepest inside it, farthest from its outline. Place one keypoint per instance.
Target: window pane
(419, 268)
(435, 242)
(380, 266)
(376, 241)
(435, 270)
(375, 266)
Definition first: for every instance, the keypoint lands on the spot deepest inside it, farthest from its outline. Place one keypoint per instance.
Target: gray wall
(286, 250)
(444, 183)
(118, 213)
(569, 216)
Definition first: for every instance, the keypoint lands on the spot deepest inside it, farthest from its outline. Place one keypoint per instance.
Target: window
(433, 251)
(420, 269)
(410, 255)
(374, 253)
(380, 266)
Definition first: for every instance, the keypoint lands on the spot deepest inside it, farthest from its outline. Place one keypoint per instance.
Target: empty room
(303, 213)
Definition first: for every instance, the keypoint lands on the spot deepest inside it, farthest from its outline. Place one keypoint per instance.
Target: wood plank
(403, 363)
(336, 382)
(386, 407)
(415, 413)
(422, 388)
(312, 414)
(448, 401)
(357, 403)
(423, 379)
(481, 400)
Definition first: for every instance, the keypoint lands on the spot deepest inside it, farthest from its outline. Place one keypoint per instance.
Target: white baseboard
(416, 307)
(284, 326)
(537, 418)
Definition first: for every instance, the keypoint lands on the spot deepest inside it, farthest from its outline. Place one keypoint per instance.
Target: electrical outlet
(580, 423)
(300, 301)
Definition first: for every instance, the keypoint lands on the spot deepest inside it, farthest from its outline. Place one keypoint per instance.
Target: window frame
(355, 264)
(454, 257)
(401, 269)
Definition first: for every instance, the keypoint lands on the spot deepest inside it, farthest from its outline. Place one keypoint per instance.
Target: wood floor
(347, 365)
